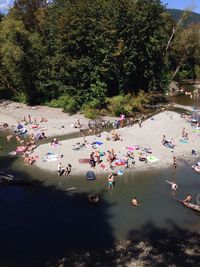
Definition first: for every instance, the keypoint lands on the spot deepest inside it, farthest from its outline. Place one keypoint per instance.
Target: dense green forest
(89, 55)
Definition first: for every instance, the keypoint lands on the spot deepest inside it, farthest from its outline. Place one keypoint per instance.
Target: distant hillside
(194, 18)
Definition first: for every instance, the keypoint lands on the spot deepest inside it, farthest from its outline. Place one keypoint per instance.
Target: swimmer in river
(174, 186)
(93, 198)
(134, 202)
(188, 198)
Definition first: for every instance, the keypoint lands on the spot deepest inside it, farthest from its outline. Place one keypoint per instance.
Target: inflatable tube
(90, 175)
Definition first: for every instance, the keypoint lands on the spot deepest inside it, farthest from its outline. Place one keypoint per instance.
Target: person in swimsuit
(188, 198)
(134, 202)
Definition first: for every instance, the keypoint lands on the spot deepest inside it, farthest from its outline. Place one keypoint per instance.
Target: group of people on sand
(29, 120)
(115, 136)
(64, 170)
(168, 143)
(27, 144)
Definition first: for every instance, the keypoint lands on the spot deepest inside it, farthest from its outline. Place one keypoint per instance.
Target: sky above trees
(179, 4)
(183, 4)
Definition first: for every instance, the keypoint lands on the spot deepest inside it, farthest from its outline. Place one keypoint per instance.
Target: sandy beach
(13, 112)
(150, 135)
(167, 123)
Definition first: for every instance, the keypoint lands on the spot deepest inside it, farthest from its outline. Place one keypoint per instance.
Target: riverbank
(57, 123)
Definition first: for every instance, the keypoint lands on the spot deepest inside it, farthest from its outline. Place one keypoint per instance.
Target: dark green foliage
(78, 54)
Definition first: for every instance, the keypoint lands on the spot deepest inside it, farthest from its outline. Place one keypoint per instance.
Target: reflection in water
(189, 98)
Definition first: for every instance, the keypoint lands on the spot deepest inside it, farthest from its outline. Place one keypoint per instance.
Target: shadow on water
(45, 225)
(39, 223)
(163, 247)
(149, 246)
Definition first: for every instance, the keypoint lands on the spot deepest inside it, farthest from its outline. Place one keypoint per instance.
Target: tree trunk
(176, 70)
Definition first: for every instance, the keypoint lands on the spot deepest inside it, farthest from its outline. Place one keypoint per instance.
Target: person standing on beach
(92, 160)
(59, 168)
(174, 163)
(29, 119)
(183, 133)
(110, 181)
(140, 122)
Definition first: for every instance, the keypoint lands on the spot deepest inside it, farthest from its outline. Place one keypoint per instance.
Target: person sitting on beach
(114, 136)
(68, 169)
(194, 153)
(9, 137)
(54, 142)
(18, 138)
(134, 202)
(130, 154)
(5, 125)
(186, 136)
(142, 157)
(188, 198)
(107, 138)
(31, 160)
(77, 124)
(43, 135)
(168, 143)
(25, 120)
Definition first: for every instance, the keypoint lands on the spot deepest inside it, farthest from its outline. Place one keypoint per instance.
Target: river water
(41, 219)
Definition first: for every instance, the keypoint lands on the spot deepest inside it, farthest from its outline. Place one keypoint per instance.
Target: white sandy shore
(149, 135)
(12, 112)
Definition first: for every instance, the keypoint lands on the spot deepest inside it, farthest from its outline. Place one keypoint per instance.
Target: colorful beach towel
(84, 160)
(97, 143)
(120, 172)
(102, 166)
(152, 159)
(20, 149)
(51, 157)
(184, 141)
(119, 162)
(131, 148)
